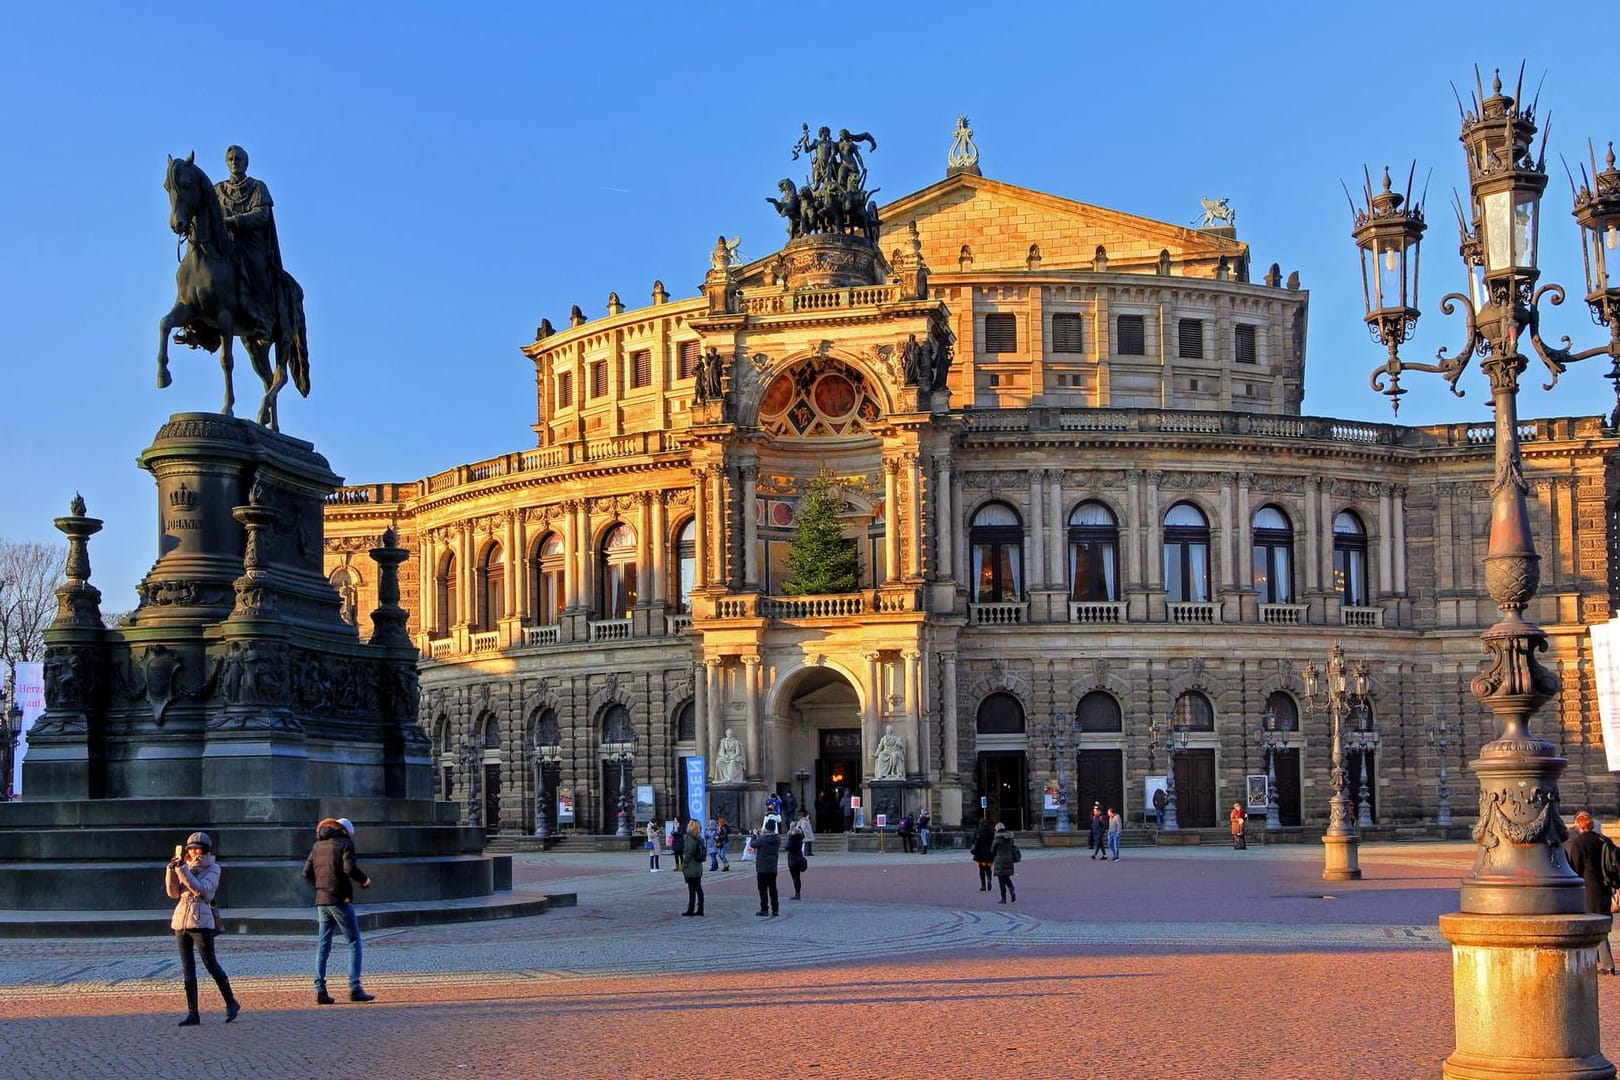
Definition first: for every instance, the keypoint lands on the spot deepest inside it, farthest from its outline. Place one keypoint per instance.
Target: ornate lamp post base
(1340, 858)
(1529, 976)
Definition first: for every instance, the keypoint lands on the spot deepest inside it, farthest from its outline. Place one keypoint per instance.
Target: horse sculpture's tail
(295, 339)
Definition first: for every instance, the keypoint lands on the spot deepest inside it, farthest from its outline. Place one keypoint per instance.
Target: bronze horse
(208, 311)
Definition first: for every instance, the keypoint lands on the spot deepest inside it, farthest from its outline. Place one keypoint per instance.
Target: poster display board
(1606, 678)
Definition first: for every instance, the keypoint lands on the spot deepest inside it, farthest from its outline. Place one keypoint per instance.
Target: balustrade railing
(1096, 611)
(1366, 618)
(1284, 614)
(542, 635)
(609, 629)
(677, 624)
(812, 607)
(998, 614)
(439, 648)
(1198, 614)
(486, 641)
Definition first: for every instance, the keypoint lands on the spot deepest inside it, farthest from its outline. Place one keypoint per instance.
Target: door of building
(492, 797)
(838, 775)
(1004, 787)
(1195, 789)
(1099, 778)
(1288, 795)
(616, 780)
(1354, 762)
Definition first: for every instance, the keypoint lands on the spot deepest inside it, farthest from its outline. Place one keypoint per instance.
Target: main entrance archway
(818, 749)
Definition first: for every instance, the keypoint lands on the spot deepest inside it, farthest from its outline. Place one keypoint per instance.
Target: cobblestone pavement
(1184, 962)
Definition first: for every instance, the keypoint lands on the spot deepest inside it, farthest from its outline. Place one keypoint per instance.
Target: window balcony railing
(837, 605)
(1096, 611)
(1197, 614)
(1366, 618)
(439, 648)
(998, 614)
(677, 624)
(542, 635)
(486, 641)
(609, 629)
(1285, 614)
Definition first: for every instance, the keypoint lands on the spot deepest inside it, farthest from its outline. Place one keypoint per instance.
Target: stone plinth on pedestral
(236, 700)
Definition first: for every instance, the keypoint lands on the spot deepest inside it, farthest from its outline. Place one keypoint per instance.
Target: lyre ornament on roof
(1217, 212)
(835, 198)
(964, 156)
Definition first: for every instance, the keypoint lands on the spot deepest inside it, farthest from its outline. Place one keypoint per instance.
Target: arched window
(1186, 555)
(1350, 559)
(996, 536)
(616, 570)
(547, 732)
(444, 596)
(685, 567)
(616, 725)
(686, 723)
(1284, 710)
(546, 569)
(1098, 711)
(492, 733)
(1093, 553)
(344, 581)
(1194, 711)
(1001, 714)
(1273, 556)
(491, 597)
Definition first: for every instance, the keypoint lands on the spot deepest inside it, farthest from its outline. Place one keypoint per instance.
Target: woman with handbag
(192, 878)
(655, 839)
(1004, 852)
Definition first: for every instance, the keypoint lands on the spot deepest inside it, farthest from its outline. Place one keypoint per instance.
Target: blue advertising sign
(697, 793)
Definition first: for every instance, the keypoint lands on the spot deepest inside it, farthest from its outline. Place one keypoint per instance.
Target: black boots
(191, 1018)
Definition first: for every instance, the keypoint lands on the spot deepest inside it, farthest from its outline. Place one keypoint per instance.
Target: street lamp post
(1439, 737)
(1172, 738)
(803, 777)
(1343, 691)
(1273, 738)
(1060, 736)
(1516, 998)
(1363, 740)
(470, 755)
(624, 753)
(546, 758)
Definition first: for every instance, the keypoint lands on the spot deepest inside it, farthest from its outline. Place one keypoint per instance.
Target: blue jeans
(330, 918)
(1113, 845)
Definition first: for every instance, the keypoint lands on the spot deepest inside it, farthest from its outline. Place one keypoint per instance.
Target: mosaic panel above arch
(820, 398)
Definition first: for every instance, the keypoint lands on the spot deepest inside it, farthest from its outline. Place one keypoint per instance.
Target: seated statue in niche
(891, 756)
(728, 763)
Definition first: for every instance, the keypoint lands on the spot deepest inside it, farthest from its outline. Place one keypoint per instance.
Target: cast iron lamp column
(1273, 739)
(1059, 738)
(1524, 953)
(1439, 737)
(470, 754)
(546, 758)
(1173, 738)
(1338, 696)
(1363, 740)
(624, 754)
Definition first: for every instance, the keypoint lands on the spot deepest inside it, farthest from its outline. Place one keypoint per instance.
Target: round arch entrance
(817, 749)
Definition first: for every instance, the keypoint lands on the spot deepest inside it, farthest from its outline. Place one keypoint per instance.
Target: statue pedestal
(888, 798)
(725, 801)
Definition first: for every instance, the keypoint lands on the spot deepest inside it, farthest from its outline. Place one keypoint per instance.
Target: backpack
(1610, 864)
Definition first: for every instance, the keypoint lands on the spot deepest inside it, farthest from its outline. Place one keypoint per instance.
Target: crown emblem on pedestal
(182, 498)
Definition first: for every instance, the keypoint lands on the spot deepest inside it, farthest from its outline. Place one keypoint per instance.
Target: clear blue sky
(445, 176)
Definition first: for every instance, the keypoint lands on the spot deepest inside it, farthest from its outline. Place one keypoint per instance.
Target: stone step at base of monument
(287, 921)
(233, 841)
(203, 813)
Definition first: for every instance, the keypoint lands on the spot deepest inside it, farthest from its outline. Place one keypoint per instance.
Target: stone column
(1130, 555)
(711, 679)
(427, 591)
(1325, 560)
(1233, 529)
(913, 702)
(914, 515)
(1057, 574)
(1155, 531)
(467, 579)
(891, 520)
(717, 524)
(661, 542)
(756, 733)
(1386, 540)
(1035, 567)
(587, 591)
(1245, 517)
(944, 522)
(947, 713)
(571, 561)
(869, 722)
(964, 550)
(517, 568)
(644, 546)
(1314, 535)
(700, 715)
(1399, 515)
(750, 495)
(700, 534)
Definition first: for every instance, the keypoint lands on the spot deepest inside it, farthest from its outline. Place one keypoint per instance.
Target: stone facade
(1035, 410)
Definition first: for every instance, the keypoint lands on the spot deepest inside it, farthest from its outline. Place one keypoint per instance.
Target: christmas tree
(821, 560)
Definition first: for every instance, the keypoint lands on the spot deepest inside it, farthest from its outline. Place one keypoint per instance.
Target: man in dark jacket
(330, 868)
(767, 855)
(1585, 853)
(1099, 832)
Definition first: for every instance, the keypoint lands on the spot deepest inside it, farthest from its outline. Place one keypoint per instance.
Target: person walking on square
(1116, 825)
(925, 825)
(1099, 832)
(692, 867)
(1239, 821)
(722, 839)
(767, 853)
(1585, 851)
(906, 842)
(331, 868)
(1005, 855)
(797, 864)
(984, 852)
(809, 832)
(192, 878)
(655, 840)
(710, 831)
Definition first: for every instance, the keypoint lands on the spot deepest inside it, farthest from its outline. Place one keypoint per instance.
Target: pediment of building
(999, 223)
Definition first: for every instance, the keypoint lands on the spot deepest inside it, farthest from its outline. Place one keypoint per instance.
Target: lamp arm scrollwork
(1557, 360)
(1452, 367)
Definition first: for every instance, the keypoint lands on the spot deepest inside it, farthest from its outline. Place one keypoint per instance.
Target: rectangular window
(1132, 336)
(641, 367)
(1066, 334)
(565, 390)
(1192, 339)
(1243, 344)
(599, 380)
(686, 364)
(1001, 333)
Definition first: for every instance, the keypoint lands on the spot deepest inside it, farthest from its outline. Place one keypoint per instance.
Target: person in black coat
(331, 868)
(983, 852)
(796, 862)
(1585, 853)
(1099, 833)
(767, 854)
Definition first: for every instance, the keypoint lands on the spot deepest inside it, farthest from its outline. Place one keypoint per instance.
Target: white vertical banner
(30, 689)
(1606, 674)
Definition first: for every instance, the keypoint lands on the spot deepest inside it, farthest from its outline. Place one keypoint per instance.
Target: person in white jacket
(192, 878)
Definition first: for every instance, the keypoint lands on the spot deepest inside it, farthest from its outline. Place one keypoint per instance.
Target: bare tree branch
(30, 574)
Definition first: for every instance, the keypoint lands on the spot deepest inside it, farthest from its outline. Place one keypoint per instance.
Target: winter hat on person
(1001, 827)
(348, 826)
(200, 839)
